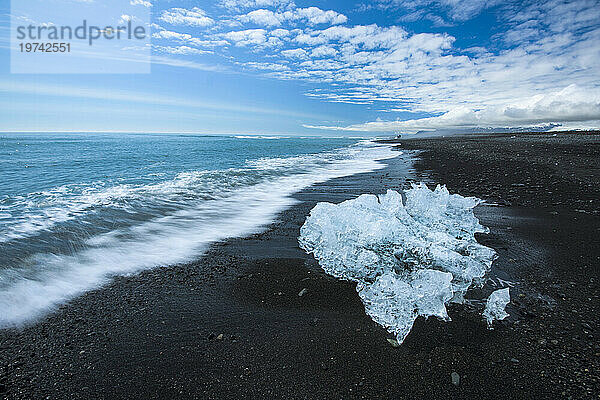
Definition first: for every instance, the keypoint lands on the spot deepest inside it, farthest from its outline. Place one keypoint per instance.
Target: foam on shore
(189, 213)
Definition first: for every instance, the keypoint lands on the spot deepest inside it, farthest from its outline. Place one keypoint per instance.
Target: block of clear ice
(409, 258)
(495, 306)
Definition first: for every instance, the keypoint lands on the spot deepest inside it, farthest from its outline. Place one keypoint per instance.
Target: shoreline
(157, 334)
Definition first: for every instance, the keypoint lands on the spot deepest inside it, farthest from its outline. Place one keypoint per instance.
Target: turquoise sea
(79, 208)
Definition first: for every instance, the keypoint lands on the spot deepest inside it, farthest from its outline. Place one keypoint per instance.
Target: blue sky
(319, 67)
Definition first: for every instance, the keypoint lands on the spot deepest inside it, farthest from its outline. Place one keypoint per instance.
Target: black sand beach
(232, 324)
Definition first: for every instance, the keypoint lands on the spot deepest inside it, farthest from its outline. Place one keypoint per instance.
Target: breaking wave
(52, 257)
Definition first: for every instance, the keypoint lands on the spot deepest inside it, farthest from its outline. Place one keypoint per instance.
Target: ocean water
(78, 209)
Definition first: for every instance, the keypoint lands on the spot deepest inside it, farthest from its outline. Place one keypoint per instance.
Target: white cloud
(165, 34)
(458, 10)
(571, 104)
(140, 3)
(182, 16)
(322, 65)
(295, 53)
(309, 39)
(550, 45)
(323, 51)
(181, 50)
(267, 66)
(162, 33)
(251, 37)
(310, 15)
(367, 36)
(125, 18)
(237, 5)
(280, 33)
(262, 17)
(315, 16)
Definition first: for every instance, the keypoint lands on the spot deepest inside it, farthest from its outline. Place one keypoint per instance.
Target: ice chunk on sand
(496, 303)
(395, 301)
(408, 259)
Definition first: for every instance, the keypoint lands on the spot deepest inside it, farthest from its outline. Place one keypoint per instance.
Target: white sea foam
(41, 211)
(409, 258)
(43, 281)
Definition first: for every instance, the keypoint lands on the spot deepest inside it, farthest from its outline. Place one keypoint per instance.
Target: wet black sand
(158, 334)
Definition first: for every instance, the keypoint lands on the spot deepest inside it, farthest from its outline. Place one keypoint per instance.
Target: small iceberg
(496, 304)
(409, 258)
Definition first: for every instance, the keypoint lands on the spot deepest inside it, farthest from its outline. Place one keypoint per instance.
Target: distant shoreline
(417, 136)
